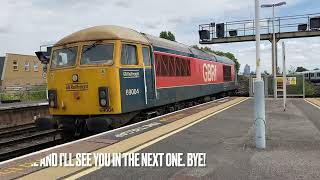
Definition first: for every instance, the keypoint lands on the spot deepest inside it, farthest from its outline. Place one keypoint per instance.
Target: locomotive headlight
(52, 98)
(52, 104)
(103, 102)
(103, 96)
(75, 78)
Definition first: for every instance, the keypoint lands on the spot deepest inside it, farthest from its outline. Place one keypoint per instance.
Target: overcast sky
(27, 24)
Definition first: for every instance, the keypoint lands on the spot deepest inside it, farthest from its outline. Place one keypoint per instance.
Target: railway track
(16, 130)
(22, 143)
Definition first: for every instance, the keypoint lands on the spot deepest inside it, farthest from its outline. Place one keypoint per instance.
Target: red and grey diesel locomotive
(103, 77)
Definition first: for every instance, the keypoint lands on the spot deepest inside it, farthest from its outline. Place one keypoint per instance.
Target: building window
(227, 73)
(27, 66)
(15, 66)
(172, 66)
(129, 54)
(35, 67)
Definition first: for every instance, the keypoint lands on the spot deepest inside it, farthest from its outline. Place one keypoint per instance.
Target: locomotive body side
(198, 78)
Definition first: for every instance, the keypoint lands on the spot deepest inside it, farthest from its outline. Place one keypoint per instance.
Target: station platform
(21, 113)
(222, 129)
(16, 105)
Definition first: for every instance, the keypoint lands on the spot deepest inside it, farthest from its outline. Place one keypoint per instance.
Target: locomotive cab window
(146, 56)
(227, 73)
(65, 57)
(97, 54)
(129, 54)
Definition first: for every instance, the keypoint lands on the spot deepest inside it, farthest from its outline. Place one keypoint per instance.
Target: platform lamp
(275, 93)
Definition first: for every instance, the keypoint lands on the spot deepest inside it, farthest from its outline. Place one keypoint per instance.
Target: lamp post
(274, 61)
(284, 72)
(259, 102)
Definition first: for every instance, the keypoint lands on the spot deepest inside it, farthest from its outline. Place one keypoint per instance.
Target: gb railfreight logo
(209, 72)
(128, 74)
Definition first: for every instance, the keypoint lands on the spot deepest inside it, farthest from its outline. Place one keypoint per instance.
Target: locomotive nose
(83, 91)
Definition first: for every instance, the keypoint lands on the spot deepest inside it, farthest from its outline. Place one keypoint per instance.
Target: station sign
(290, 81)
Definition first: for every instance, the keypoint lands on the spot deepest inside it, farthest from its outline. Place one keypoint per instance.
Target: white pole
(284, 76)
(275, 92)
(259, 103)
(257, 24)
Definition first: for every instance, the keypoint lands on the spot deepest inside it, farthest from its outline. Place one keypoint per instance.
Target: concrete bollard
(260, 117)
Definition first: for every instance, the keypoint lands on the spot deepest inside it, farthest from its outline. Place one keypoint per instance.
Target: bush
(243, 85)
(31, 94)
(310, 90)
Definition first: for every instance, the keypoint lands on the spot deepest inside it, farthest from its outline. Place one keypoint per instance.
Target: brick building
(20, 71)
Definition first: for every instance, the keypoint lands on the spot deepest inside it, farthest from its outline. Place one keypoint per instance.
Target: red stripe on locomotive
(176, 70)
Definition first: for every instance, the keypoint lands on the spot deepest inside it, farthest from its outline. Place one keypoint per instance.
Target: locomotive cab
(81, 78)
(98, 81)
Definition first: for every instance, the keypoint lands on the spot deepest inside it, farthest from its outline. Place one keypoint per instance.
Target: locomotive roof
(168, 46)
(165, 44)
(121, 33)
(103, 33)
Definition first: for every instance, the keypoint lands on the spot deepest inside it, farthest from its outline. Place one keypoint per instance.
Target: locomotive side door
(148, 62)
(132, 80)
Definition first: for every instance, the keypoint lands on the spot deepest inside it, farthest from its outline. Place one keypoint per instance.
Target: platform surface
(222, 129)
(293, 146)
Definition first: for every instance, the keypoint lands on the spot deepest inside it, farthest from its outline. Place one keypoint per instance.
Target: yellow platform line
(135, 143)
(313, 101)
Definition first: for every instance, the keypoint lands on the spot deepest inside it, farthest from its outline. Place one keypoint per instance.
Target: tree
(220, 53)
(171, 37)
(163, 34)
(301, 69)
(167, 35)
(266, 73)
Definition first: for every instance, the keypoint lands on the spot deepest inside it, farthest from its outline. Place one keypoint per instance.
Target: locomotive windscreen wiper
(91, 46)
(68, 48)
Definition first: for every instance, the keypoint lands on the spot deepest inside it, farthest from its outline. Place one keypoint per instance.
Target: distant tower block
(246, 70)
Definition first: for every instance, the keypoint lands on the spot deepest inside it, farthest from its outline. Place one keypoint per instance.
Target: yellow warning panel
(279, 83)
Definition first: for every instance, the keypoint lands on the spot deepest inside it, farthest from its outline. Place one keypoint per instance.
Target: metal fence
(23, 95)
(296, 89)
